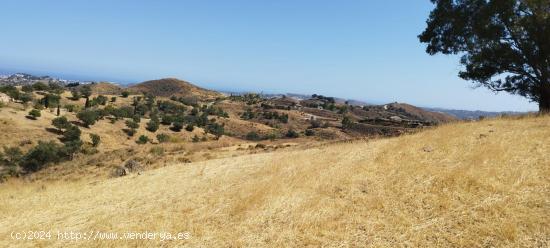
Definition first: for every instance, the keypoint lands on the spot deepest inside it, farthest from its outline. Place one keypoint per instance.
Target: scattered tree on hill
(153, 124)
(96, 139)
(27, 88)
(51, 100)
(149, 101)
(61, 123)
(113, 99)
(55, 88)
(132, 125)
(86, 92)
(346, 122)
(40, 155)
(177, 125)
(125, 94)
(39, 86)
(248, 114)
(11, 156)
(167, 119)
(26, 97)
(34, 114)
(292, 134)
(505, 45)
(100, 100)
(75, 94)
(88, 117)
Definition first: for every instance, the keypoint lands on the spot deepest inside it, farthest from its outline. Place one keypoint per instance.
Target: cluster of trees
(46, 152)
(249, 98)
(275, 115)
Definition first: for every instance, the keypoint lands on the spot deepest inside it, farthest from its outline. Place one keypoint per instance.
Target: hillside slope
(173, 87)
(466, 184)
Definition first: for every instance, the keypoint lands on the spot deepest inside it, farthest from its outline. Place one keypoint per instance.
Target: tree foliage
(505, 45)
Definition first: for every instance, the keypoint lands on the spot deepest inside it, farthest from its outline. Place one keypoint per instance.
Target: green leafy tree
(41, 155)
(125, 94)
(27, 88)
(26, 97)
(61, 123)
(86, 92)
(11, 156)
(132, 126)
(39, 86)
(88, 117)
(292, 134)
(72, 133)
(75, 94)
(505, 45)
(153, 124)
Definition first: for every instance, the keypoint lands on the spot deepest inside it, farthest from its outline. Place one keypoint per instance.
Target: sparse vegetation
(292, 134)
(88, 117)
(143, 139)
(34, 114)
(96, 139)
(163, 138)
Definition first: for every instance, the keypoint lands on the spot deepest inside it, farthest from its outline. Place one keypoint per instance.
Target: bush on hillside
(163, 138)
(41, 155)
(88, 117)
(96, 139)
(34, 114)
(292, 134)
(142, 140)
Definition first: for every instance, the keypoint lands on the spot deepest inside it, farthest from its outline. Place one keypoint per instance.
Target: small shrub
(346, 122)
(34, 114)
(132, 124)
(163, 138)
(152, 126)
(189, 128)
(310, 132)
(125, 94)
(177, 126)
(271, 136)
(292, 134)
(96, 139)
(252, 136)
(143, 139)
(314, 123)
(195, 139)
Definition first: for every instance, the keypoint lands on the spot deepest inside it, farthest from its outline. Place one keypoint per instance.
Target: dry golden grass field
(472, 184)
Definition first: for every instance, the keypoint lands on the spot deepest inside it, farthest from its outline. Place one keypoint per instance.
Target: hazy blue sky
(365, 50)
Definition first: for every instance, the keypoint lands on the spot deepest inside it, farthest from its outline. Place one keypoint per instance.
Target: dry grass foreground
(483, 184)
